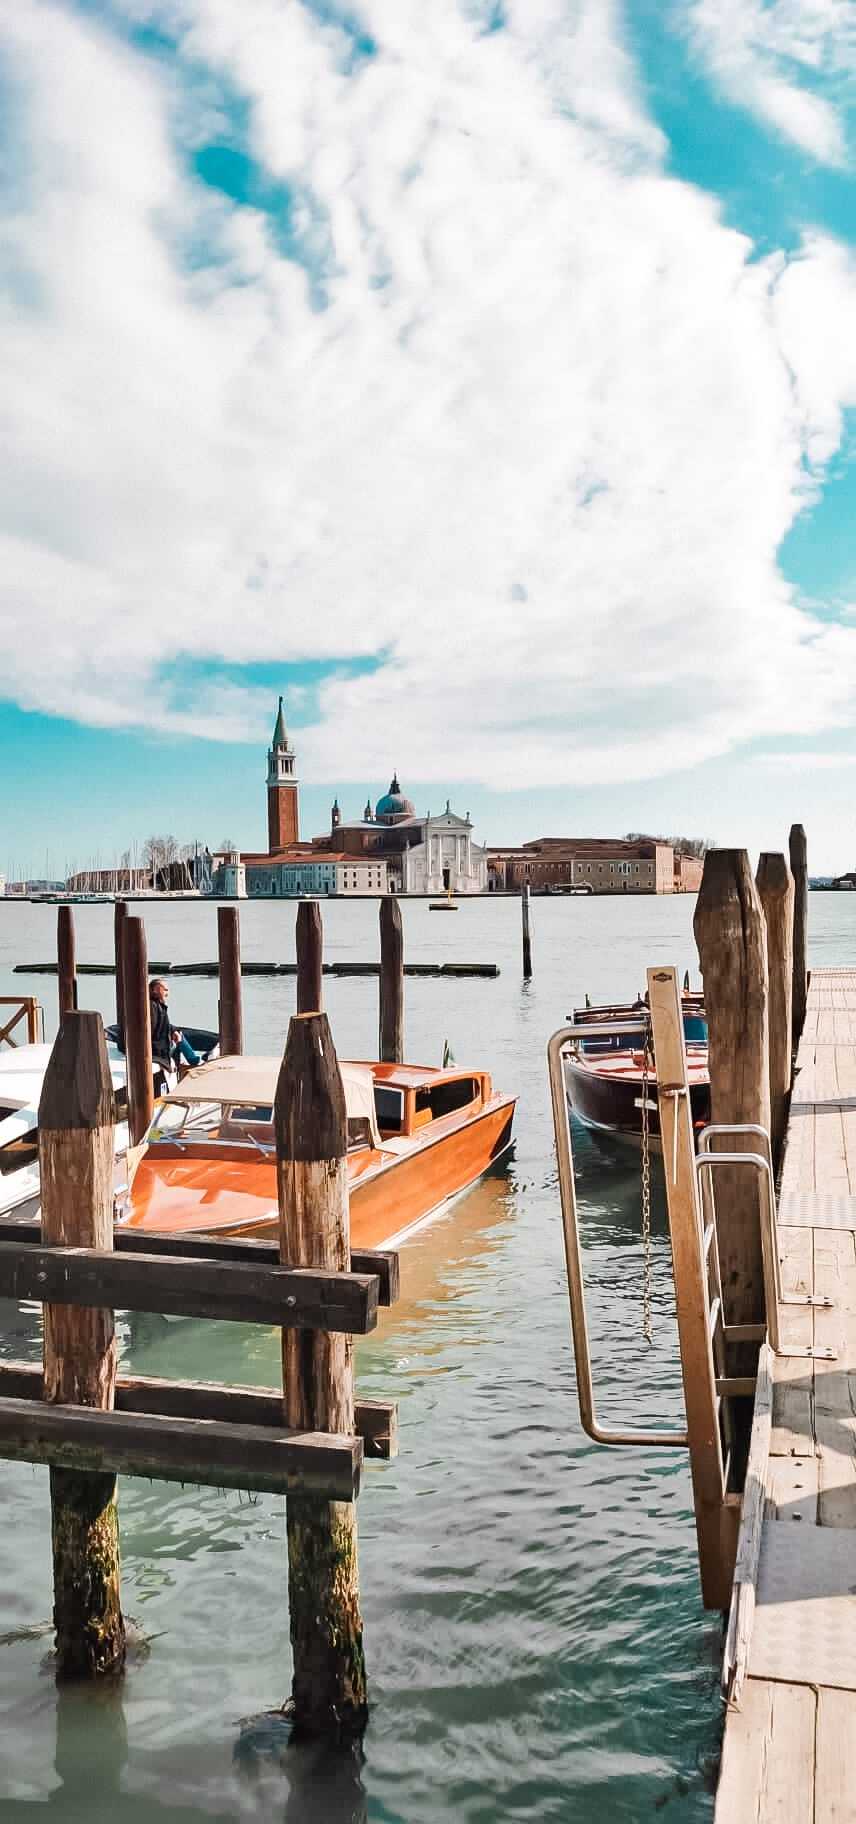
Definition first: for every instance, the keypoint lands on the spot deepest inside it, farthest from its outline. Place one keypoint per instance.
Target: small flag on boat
(448, 1054)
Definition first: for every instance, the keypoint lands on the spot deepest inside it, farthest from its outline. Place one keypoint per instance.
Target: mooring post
(527, 934)
(799, 869)
(120, 913)
(76, 1168)
(731, 935)
(309, 942)
(391, 982)
(229, 954)
(66, 967)
(329, 1688)
(776, 893)
(138, 1029)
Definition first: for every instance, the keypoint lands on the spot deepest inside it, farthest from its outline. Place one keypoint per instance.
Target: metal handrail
(573, 1256)
(769, 1252)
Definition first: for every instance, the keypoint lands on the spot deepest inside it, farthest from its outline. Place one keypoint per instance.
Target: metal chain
(646, 1197)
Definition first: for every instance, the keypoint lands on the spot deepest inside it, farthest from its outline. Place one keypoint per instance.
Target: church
(389, 849)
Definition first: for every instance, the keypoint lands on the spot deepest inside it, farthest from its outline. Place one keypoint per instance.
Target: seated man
(168, 1043)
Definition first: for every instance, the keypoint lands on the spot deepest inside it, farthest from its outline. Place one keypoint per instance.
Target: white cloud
(764, 52)
(538, 451)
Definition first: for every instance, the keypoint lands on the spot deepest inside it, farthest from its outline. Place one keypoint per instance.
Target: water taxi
(417, 1137)
(607, 1076)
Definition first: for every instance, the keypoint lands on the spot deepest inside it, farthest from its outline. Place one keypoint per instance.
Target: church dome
(393, 805)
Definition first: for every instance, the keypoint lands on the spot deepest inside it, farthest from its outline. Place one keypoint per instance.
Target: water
(536, 1643)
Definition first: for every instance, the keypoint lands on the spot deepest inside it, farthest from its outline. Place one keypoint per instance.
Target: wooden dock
(789, 1751)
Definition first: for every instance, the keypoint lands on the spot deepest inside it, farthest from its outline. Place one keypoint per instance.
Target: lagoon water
(536, 1643)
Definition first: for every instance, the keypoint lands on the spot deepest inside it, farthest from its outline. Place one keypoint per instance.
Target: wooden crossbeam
(15, 1020)
(294, 1298)
(375, 1421)
(181, 1450)
(203, 1247)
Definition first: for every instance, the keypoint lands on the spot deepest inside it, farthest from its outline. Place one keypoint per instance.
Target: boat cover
(251, 1083)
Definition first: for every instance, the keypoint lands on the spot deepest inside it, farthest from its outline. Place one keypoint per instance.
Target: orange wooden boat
(416, 1137)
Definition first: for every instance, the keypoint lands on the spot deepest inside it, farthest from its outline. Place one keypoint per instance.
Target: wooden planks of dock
(789, 1752)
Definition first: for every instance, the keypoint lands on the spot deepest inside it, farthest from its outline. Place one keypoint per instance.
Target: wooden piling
(329, 1686)
(309, 941)
(776, 893)
(391, 1043)
(120, 913)
(66, 973)
(138, 1028)
(229, 958)
(799, 869)
(76, 1167)
(527, 934)
(731, 935)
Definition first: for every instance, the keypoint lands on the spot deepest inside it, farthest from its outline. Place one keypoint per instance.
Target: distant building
(387, 850)
(588, 863)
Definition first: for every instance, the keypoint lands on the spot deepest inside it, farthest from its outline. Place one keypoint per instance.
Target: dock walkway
(789, 1752)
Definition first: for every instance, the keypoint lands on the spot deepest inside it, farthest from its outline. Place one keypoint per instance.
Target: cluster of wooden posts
(751, 936)
(88, 1422)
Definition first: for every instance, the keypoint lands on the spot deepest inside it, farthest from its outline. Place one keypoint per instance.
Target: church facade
(389, 849)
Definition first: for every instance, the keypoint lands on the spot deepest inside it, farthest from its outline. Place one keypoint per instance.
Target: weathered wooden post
(138, 1029)
(229, 954)
(76, 1167)
(731, 935)
(66, 964)
(329, 1688)
(391, 982)
(120, 913)
(527, 935)
(776, 893)
(309, 940)
(799, 870)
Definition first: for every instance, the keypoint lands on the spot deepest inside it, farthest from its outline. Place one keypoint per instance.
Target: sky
(480, 375)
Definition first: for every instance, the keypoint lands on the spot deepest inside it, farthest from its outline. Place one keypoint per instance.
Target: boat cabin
(226, 1107)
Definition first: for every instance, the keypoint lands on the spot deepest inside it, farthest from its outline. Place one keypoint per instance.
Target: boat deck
(789, 1752)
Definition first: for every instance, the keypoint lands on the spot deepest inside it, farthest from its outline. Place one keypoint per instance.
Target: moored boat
(609, 1077)
(22, 1072)
(416, 1138)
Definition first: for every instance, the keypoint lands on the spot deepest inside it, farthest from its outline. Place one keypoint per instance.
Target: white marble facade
(445, 860)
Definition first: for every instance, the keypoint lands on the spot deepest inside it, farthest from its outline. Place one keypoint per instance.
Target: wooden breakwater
(487, 971)
(306, 1440)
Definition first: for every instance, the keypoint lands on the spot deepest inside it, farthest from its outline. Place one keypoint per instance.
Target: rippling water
(536, 1643)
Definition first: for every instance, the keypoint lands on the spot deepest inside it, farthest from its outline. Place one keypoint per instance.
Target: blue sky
(480, 376)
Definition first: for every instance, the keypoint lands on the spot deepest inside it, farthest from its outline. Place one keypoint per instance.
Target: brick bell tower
(282, 790)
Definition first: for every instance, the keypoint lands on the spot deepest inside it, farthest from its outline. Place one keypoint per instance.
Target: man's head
(158, 990)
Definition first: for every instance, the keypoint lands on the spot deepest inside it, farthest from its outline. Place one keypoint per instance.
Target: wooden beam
(296, 1298)
(799, 868)
(76, 1179)
(66, 961)
(713, 1529)
(731, 934)
(375, 1421)
(776, 893)
(329, 1696)
(180, 1450)
(309, 942)
(229, 954)
(391, 1023)
(138, 1028)
(742, 1611)
(379, 1263)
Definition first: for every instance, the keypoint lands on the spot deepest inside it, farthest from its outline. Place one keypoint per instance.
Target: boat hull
(391, 1192)
(609, 1104)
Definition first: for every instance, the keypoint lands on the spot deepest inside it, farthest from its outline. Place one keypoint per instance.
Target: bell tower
(282, 790)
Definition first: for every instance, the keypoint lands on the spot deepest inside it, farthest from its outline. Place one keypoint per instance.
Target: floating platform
(487, 970)
(789, 1752)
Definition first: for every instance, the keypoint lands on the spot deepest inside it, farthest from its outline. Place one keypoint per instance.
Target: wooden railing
(25, 1008)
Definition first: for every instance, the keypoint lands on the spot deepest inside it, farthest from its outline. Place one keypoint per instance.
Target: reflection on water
(536, 1644)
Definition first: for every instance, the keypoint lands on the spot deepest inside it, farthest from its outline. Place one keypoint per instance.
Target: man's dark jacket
(161, 1033)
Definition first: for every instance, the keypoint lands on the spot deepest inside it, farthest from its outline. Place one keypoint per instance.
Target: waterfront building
(389, 849)
(590, 864)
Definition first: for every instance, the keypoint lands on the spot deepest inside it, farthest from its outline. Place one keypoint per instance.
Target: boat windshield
(179, 1123)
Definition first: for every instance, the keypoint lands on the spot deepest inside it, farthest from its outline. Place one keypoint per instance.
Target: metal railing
(570, 1225)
